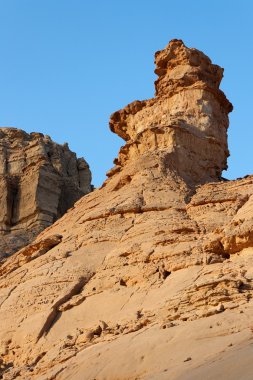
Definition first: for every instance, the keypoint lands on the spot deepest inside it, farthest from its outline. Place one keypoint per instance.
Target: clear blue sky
(66, 65)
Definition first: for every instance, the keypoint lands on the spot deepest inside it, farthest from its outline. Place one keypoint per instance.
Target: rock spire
(185, 124)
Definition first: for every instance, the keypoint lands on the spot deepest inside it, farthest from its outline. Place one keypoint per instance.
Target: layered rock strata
(39, 181)
(150, 276)
(186, 123)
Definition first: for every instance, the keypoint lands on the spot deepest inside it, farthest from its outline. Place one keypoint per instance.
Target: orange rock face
(150, 276)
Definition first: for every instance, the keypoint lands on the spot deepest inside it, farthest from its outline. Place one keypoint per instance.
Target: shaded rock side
(150, 276)
(39, 181)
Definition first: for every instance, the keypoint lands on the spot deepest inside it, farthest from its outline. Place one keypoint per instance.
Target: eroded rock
(165, 242)
(39, 181)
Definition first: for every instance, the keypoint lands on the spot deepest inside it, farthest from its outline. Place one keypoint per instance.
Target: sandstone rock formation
(150, 276)
(39, 182)
(186, 122)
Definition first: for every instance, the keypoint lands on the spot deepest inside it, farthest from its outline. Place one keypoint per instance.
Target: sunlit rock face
(185, 124)
(150, 276)
(39, 181)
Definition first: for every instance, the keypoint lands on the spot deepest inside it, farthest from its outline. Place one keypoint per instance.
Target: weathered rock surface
(150, 276)
(39, 181)
(187, 121)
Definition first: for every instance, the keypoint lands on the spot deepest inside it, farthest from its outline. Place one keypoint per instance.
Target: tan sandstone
(39, 181)
(150, 276)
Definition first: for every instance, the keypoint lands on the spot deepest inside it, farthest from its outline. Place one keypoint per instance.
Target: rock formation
(150, 276)
(186, 123)
(39, 182)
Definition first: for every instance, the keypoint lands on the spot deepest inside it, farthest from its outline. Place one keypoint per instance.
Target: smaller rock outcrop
(39, 181)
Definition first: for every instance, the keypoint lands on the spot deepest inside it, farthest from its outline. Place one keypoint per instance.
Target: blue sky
(66, 65)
